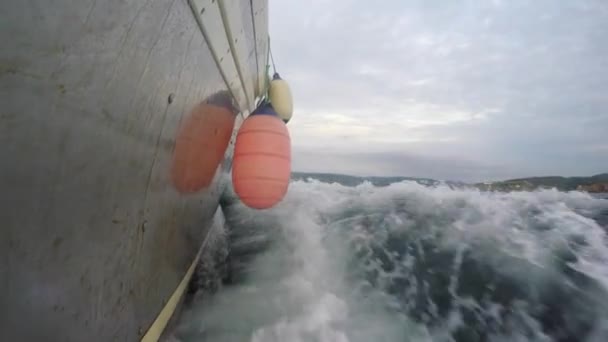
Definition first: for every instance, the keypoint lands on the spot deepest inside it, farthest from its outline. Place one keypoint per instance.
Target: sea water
(405, 262)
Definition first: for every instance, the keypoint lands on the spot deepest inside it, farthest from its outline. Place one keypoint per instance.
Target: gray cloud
(454, 90)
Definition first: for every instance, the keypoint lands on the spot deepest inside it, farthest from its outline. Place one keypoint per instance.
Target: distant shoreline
(593, 184)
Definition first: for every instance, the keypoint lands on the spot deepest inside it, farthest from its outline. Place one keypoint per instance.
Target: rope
(269, 58)
(274, 69)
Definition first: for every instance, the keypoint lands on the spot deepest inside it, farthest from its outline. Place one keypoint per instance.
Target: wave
(407, 262)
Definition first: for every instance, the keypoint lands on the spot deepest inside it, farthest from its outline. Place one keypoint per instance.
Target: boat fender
(280, 97)
(261, 166)
(201, 142)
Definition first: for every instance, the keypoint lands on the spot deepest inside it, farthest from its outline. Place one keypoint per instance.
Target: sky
(458, 90)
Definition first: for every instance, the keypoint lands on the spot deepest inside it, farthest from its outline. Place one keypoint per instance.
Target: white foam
(304, 291)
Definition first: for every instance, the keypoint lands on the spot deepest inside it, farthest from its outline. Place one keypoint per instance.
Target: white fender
(280, 98)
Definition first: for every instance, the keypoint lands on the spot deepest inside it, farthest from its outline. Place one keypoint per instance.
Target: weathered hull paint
(94, 237)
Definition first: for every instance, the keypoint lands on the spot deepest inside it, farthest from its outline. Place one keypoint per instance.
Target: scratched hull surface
(95, 237)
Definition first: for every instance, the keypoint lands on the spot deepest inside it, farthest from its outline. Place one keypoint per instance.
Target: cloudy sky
(464, 90)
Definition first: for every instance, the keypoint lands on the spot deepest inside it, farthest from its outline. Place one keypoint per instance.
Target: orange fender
(261, 167)
(200, 146)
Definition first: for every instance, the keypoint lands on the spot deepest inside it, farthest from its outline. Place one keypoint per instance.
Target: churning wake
(406, 262)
